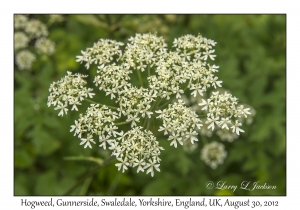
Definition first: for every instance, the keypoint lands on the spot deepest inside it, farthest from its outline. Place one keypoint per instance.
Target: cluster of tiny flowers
(244, 114)
(147, 23)
(224, 133)
(213, 154)
(21, 40)
(180, 123)
(24, 59)
(35, 29)
(55, 18)
(223, 111)
(70, 90)
(137, 148)
(44, 46)
(189, 147)
(228, 135)
(169, 74)
(98, 121)
(103, 52)
(27, 31)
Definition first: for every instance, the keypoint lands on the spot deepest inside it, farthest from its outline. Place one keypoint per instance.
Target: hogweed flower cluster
(29, 30)
(180, 123)
(169, 75)
(55, 18)
(221, 109)
(213, 154)
(70, 90)
(223, 127)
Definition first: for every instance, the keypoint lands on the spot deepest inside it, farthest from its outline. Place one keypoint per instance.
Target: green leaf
(21, 184)
(163, 184)
(22, 158)
(43, 141)
(46, 184)
(250, 165)
(90, 20)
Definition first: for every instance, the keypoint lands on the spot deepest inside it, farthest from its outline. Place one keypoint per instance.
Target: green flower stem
(148, 123)
(140, 77)
(149, 74)
(90, 173)
(84, 158)
(122, 123)
(158, 103)
(165, 104)
(94, 102)
(145, 122)
(149, 120)
(155, 104)
(115, 183)
(85, 186)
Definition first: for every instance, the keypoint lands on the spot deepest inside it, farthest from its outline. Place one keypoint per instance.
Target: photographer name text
(245, 185)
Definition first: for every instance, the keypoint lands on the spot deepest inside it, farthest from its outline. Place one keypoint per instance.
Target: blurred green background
(251, 53)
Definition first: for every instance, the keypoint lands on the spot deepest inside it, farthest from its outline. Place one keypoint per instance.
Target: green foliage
(251, 53)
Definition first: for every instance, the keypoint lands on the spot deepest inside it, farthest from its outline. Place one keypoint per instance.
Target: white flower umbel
(224, 112)
(224, 127)
(21, 40)
(143, 102)
(137, 148)
(35, 28)
(55, 18)
(180, 123)
(45, 46)
(213, 154)
(70, 90)
(24, 59)
(30, 36)
(189, 147)
(227, 135)
(97, 122)
(103, 52)
(20, 21)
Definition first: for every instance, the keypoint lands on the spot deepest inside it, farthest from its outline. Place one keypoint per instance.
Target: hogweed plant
(170, 74)
(30, 39)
